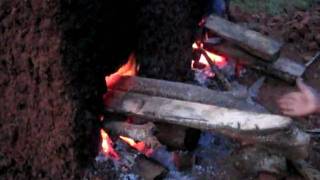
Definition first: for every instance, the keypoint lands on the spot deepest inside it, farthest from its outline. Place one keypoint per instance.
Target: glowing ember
(220, 61)
(140, 146)
(128, 69)
(106, 145)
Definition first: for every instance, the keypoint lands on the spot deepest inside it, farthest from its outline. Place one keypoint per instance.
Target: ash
(209, 161)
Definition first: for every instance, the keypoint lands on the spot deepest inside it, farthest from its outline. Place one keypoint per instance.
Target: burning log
(218, 74)
(134, 131)
(253, 42)
(182, 91)
(191, 114)
(283, 68)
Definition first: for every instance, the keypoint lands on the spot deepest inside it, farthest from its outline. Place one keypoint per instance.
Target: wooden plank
(182, 91)
(253, 42)
(195, 115)
(283, 68)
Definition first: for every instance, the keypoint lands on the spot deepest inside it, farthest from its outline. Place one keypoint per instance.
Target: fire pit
(138, 143)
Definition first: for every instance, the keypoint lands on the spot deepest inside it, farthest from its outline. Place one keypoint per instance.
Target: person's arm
(303, 102)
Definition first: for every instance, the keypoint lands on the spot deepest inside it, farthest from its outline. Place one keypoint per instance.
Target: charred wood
(191, 114)
(182, 91)
(218, 74)
(177, 137)
(139, 132)
(253, 42)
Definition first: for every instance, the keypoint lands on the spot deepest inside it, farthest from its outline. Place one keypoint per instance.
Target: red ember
(140, 146)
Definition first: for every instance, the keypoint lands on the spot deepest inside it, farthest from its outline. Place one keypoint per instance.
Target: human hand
(300, 103)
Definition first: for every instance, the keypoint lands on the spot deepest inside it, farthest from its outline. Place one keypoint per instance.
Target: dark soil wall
(36, 113)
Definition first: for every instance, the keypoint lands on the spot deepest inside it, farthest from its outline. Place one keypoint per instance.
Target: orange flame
(128, 69)
(140, 146)
(220, 61)
(107, 146)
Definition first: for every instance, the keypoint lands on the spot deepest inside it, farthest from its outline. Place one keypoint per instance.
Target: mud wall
(36, 113)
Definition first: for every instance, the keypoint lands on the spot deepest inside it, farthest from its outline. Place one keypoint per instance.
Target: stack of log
(200, 108)
(253, 49)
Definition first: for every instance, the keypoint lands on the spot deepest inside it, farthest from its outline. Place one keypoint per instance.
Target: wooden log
(283, 68)
(138, 132)
(195, 115)
(252, 41)
(182, 91)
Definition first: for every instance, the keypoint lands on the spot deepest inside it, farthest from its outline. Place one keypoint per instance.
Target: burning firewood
(182, 91)
(135, 131)
(218, 74)
(253, 42)
(283, 68)
(191, 114)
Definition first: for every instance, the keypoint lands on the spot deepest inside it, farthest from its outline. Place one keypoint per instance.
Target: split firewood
(191, 114)
(283, 68)
(252, 41)
(148, 169)
(138, 132)
(218, 74)
(182, 91)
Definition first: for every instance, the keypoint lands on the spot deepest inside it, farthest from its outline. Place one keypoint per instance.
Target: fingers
(294, 96)
(288, 103)
(302, 86)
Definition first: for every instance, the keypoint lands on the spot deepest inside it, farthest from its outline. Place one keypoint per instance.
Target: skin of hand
(303, 102)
